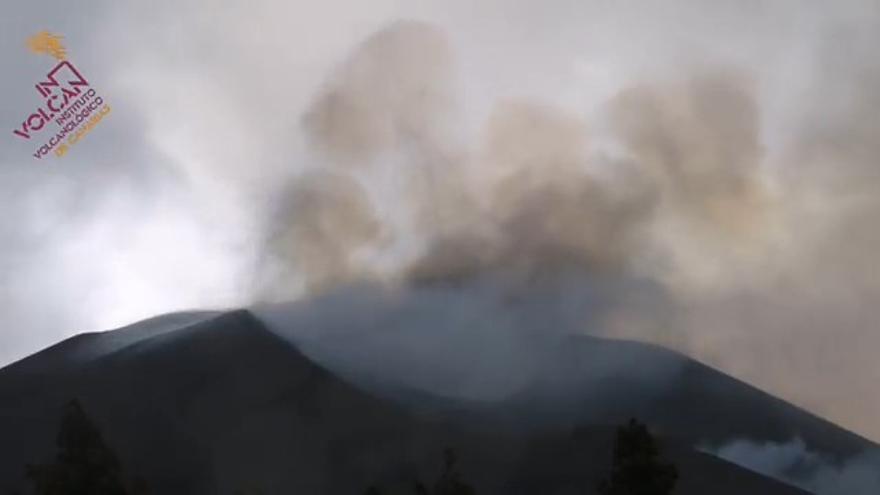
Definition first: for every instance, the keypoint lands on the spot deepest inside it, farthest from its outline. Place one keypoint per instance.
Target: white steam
(793, 463)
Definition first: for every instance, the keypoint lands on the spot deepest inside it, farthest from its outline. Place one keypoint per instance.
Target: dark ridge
(224, 403)
(696, 403)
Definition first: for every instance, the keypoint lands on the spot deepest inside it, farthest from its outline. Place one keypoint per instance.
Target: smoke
(483, 339)
(692, 174)
(794, 463)
(671, 186)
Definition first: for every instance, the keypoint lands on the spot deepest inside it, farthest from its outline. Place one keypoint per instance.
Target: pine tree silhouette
(84, 465)
(637, 468)
(450, 482)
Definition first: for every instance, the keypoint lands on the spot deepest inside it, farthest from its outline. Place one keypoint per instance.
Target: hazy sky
(167, 203)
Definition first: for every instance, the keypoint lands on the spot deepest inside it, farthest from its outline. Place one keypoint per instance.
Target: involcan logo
(69, 102)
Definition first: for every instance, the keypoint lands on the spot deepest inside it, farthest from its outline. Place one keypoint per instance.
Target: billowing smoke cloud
(689, 173)
(677, 191)
(480, 339)
(793, 463)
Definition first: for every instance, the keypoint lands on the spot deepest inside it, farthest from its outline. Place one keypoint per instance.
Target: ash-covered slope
(555, 380)
(691, 401)
(221, 403)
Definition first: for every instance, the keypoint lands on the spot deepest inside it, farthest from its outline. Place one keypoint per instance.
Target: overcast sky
(164, 205)
(150, 212)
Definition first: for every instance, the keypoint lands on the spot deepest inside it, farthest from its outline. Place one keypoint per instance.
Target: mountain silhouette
(211, 403)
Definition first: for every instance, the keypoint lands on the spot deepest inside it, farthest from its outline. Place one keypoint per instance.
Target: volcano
(218, 403)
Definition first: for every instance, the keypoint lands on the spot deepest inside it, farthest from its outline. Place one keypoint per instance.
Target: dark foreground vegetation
(86, 465)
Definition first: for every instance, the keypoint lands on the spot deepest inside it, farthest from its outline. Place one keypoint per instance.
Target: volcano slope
(212, 403)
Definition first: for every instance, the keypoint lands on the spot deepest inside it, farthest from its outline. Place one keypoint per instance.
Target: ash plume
(697, 174)
(666, 219)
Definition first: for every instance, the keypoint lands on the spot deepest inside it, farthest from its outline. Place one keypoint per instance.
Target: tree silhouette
(449, 482)
(637, 468)
(84, 465)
